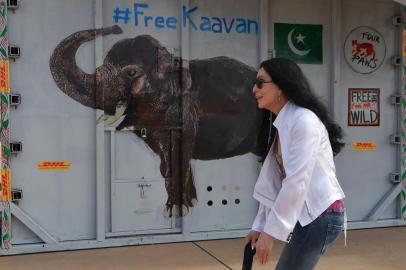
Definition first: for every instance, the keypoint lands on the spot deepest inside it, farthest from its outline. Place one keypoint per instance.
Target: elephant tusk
(102, 118)
(111, 119)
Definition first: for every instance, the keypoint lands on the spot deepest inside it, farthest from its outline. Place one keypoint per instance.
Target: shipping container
(127, 122)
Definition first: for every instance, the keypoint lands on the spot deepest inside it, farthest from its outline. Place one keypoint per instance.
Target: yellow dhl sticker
(5, 194)
(53, 165)
(364, 146)
(4, 76)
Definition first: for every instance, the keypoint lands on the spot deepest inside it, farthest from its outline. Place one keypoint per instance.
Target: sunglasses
(259, 82)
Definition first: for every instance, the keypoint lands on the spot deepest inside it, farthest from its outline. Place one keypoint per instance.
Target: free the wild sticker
(363, 107)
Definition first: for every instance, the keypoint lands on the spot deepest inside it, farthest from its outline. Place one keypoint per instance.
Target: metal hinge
(398, 20)
(395, 178)
(15, 99)
(16, 147)
(395, 139)
(14, 52)
(12, 4)
(396, 61)
(16, 195)
(396, 99)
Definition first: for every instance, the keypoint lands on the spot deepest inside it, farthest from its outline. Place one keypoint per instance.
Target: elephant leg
(171, 175)
(173, 179)
(189, 131)
(160, 143)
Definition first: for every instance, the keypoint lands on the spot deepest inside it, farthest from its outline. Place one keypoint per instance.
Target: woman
(300, 199)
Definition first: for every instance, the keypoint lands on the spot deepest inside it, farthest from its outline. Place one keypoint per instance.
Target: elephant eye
(131, 72)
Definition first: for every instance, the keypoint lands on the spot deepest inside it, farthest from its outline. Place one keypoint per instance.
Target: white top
(310, 185)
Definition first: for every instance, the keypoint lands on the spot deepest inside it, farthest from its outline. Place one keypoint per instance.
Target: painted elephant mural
(208, 103)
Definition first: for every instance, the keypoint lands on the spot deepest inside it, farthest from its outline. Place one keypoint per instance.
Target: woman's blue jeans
(308, 243)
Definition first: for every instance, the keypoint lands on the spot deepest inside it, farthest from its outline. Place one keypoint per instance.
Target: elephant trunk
(72, 80)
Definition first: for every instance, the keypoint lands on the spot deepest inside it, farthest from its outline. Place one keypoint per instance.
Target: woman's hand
(252, 237)
(264, 247)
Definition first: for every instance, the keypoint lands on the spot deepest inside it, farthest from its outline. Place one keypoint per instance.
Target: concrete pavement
(369, 249)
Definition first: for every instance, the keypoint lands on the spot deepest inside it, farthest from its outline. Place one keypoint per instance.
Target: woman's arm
(259, 220)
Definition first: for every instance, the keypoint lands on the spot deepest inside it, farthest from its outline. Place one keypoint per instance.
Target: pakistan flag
(302, 43)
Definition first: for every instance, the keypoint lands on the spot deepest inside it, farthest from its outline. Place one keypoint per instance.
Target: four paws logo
(364, 49)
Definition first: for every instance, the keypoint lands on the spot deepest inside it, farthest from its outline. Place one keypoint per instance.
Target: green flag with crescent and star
(302, 43)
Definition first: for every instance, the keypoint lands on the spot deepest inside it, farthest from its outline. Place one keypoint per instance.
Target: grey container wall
(114, 192)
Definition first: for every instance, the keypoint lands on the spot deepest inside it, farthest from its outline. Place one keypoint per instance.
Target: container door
(224, 50)
(142, 114)
(56, 169)
(184, 145)
(364, 109)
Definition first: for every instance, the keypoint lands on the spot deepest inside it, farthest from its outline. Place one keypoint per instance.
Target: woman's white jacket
(310, 185)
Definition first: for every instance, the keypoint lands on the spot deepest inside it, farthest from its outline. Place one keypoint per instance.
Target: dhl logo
(53, 165)
(6, 187)
(4, 79)
(364, 146)
(404, 43)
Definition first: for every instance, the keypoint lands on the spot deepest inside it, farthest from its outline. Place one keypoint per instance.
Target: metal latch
(142, 191)
(396, 99)
(15, 99)
(395, 139)
(395, 178)
(144, 133)
(14, 52)
(12, 4)
(16, 147)
(396, 61)
(398, 20)
(16, 195)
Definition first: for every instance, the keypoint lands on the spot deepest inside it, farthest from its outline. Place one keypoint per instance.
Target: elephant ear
(163, 62)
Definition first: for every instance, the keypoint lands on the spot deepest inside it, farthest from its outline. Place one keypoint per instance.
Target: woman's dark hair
(293, 83)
